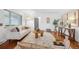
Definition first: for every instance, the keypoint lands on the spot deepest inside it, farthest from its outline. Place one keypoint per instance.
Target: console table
(71, 32)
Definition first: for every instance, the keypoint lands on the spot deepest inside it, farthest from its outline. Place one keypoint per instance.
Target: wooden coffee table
(37, 33)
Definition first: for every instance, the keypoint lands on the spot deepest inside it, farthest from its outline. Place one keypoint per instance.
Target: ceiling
(38, 12)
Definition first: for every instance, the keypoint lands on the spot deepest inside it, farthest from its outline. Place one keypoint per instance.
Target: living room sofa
(14, 34)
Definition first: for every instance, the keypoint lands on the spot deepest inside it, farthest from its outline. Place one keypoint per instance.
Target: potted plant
(55, 23)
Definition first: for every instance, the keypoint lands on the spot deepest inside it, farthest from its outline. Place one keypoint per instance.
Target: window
(15, 19)
(4, 17)
(10, 18)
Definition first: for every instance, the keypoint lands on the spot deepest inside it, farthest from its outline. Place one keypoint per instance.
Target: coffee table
(37, 33)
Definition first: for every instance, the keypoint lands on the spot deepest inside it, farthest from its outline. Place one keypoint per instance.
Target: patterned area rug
(45, 42)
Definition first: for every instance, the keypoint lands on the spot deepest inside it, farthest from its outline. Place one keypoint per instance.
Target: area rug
(45, 42)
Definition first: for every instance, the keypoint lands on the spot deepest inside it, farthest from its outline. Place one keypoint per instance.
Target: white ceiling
(38, 12)
(51, 10)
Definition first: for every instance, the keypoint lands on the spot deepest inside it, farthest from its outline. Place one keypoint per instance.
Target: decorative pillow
(17, 29)
(13, 30)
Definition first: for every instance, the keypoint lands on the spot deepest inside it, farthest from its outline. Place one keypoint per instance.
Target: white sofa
(17, 35)
(6, 34)
(3, 33)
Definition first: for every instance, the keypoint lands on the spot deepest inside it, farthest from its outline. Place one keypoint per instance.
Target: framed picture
(48, 19)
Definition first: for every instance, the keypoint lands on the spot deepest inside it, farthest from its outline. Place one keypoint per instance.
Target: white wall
(30, 23)
(43, 25)
(42, 21)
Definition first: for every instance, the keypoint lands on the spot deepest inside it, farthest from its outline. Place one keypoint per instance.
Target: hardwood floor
(73, 43)
(10, 44)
